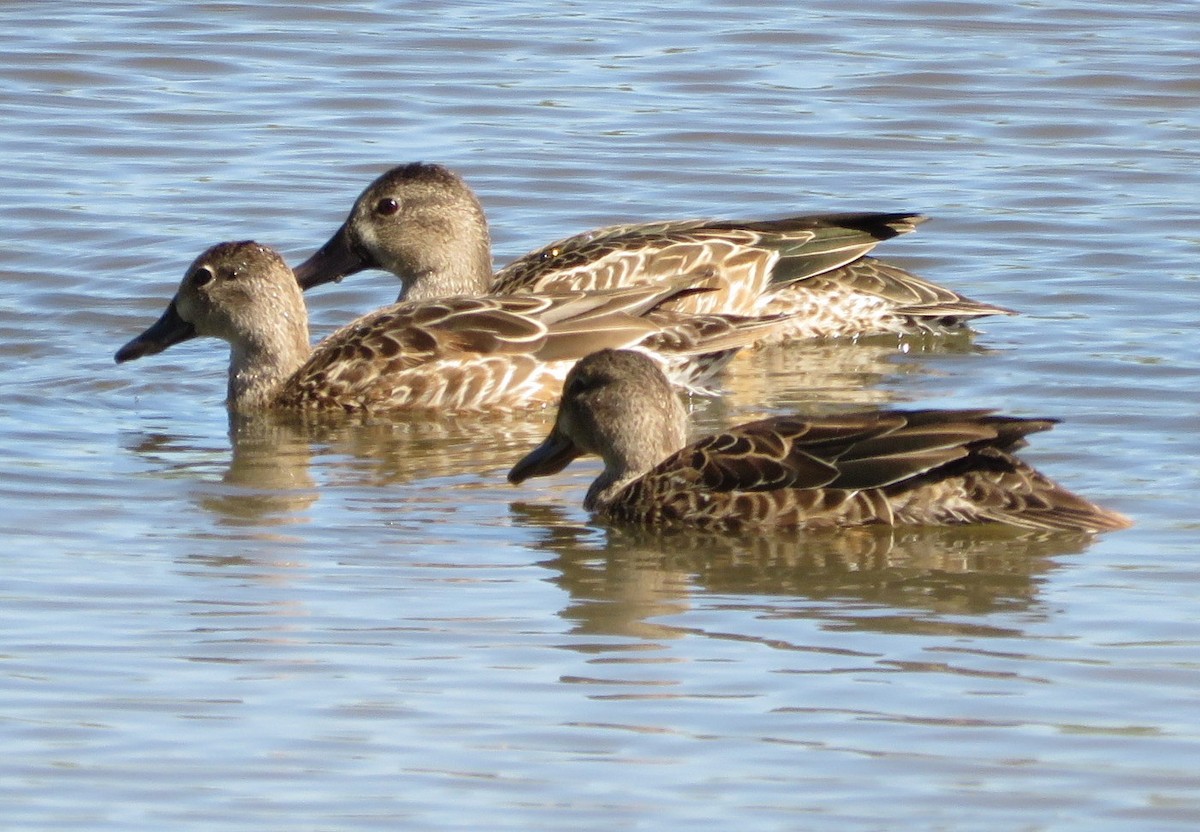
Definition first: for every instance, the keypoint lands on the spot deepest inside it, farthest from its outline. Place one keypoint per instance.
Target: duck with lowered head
(890, 467)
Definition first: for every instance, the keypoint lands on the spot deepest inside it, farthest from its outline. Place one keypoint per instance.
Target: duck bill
(550, 457)
(167, 331)
(338, 258)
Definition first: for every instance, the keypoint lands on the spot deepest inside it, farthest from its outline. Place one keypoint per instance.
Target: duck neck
(462, 279)
(605, 489)
(259, 367)
(460, 267)
(628, 456)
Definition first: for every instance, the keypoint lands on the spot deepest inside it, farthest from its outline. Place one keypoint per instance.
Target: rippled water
(218, 626)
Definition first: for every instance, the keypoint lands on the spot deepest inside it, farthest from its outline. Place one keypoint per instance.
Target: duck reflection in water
(625, 580)
(278, 465)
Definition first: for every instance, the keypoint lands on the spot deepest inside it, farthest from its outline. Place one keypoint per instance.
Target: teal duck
(455, 354)
(423, 223)
(891, 467)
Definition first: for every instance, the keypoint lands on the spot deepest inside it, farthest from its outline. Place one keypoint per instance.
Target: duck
(448, 355)
(423, 223)
(886, 467)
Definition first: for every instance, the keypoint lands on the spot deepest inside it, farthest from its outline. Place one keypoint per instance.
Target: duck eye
(386, 207)
(202, 276)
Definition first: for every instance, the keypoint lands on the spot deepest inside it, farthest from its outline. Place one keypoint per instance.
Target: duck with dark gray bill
(456, 354)
(422, 223)
(890, 467)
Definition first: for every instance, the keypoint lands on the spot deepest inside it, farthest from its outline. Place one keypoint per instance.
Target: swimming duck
(447, 355)
(890, 467)
(425, 225)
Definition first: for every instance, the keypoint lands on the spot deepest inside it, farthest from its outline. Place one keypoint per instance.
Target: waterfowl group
(629, 316)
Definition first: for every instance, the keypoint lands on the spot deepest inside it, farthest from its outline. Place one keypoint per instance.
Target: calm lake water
(216, 626)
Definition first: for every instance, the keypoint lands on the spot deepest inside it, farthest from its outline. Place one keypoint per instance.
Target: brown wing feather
(935, 467)
(905, 293)
(468, 353)
(745, 256)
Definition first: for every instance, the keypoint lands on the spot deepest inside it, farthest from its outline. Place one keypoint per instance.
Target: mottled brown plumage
(423, 223)
(446, 355)
(930, 467)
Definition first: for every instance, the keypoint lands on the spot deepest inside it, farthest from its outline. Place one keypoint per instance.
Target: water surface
(223, 625)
